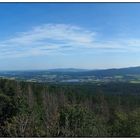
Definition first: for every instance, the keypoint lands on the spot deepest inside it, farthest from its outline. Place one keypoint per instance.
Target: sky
(37, 36)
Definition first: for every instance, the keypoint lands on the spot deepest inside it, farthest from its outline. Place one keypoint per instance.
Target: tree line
(46, 110)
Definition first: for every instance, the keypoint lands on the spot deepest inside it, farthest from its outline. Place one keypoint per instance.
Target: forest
(69, 110)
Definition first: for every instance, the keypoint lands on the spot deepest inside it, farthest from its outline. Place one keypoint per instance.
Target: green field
(135, 81)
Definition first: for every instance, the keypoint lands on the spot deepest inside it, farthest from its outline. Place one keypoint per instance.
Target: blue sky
(66, 35)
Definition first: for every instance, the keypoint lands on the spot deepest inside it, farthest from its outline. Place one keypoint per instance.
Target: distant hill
(98, 73)
(72, 74)
(112, 72)
(67, 70)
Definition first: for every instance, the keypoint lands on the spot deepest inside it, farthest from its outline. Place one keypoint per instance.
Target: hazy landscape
(71, 75)
(69, 70)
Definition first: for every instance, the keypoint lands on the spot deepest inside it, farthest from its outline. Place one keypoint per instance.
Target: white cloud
(57, 38)
(48, 36)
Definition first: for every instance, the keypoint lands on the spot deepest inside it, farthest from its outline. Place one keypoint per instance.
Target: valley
(130, 75)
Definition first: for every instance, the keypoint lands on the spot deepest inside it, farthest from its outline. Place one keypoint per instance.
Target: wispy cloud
(59, 38)
(45, 39)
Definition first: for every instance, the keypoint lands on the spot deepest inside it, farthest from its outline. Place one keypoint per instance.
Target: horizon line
(58, 68)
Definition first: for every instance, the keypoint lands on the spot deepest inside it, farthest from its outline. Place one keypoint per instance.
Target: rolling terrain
(71, 75)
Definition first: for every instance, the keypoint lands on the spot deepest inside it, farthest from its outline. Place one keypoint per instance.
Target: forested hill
(71, 75)
(101, 72)
(40, 110)
(113, 72)
(105, 72)
(97, 72)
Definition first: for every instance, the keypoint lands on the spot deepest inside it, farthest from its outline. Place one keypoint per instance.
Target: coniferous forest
(69, 110)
